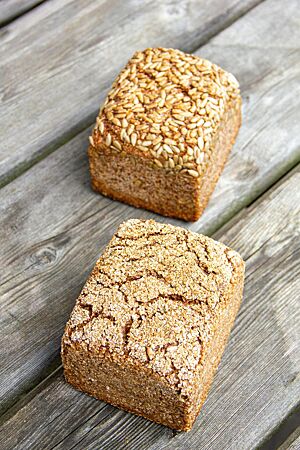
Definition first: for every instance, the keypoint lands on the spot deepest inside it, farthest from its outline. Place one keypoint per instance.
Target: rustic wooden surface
(67, 54)
(258, 379)
(295, 445)
(44, 247)
(292, 442)
(58, 61)
(12, 9)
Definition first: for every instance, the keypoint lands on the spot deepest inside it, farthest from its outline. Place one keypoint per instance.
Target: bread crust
(147, 336)
(169, 193)
(161, 142)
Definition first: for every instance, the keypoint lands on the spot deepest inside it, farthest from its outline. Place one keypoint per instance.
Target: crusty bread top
(166, 104)
(152, 299)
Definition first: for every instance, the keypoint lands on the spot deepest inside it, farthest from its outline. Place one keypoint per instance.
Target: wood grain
(57, 63)
(258, 382)
(286, 433)
(53, 227)
(295, 445)
(291, 443)
(11, 9)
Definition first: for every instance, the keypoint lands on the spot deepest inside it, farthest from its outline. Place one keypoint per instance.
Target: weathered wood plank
(292, 442)
(295, 445)
(257, 384)
(11, 9)
(285, 434)
(57, 63)
(52, 226)
(267, 63)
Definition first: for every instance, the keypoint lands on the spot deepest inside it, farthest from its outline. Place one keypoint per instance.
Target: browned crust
(186, 418)
(137, 182)
(92, 371)
(223, 326)
(223, 143)
(164, 133)
(166, 192)
(161, 414)
(187, 213)
(180, 108)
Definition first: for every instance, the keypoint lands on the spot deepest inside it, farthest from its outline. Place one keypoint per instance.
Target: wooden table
(58, 59)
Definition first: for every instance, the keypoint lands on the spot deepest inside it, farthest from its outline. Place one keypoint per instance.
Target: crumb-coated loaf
(164, 133)
(151, 323)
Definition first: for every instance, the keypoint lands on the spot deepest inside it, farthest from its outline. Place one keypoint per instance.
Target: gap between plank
(226, 224)
(90, 119)
(284, 430)
(255, 197)
(281, 176)
(56, 366)
(22, 12)
(258, 196)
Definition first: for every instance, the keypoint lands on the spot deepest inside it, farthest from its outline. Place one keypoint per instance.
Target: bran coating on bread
(151, 323)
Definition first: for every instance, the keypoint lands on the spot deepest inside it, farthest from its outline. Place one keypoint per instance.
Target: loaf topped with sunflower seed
(164, 132)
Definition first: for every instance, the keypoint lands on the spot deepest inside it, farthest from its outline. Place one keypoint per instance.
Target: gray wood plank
(11, 9)
(52, 226)
(57, 63)
(295, 445)
(292, 442)
(286, 433)
(258, 382)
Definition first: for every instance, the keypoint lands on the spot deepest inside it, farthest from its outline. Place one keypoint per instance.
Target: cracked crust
(153, 303)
